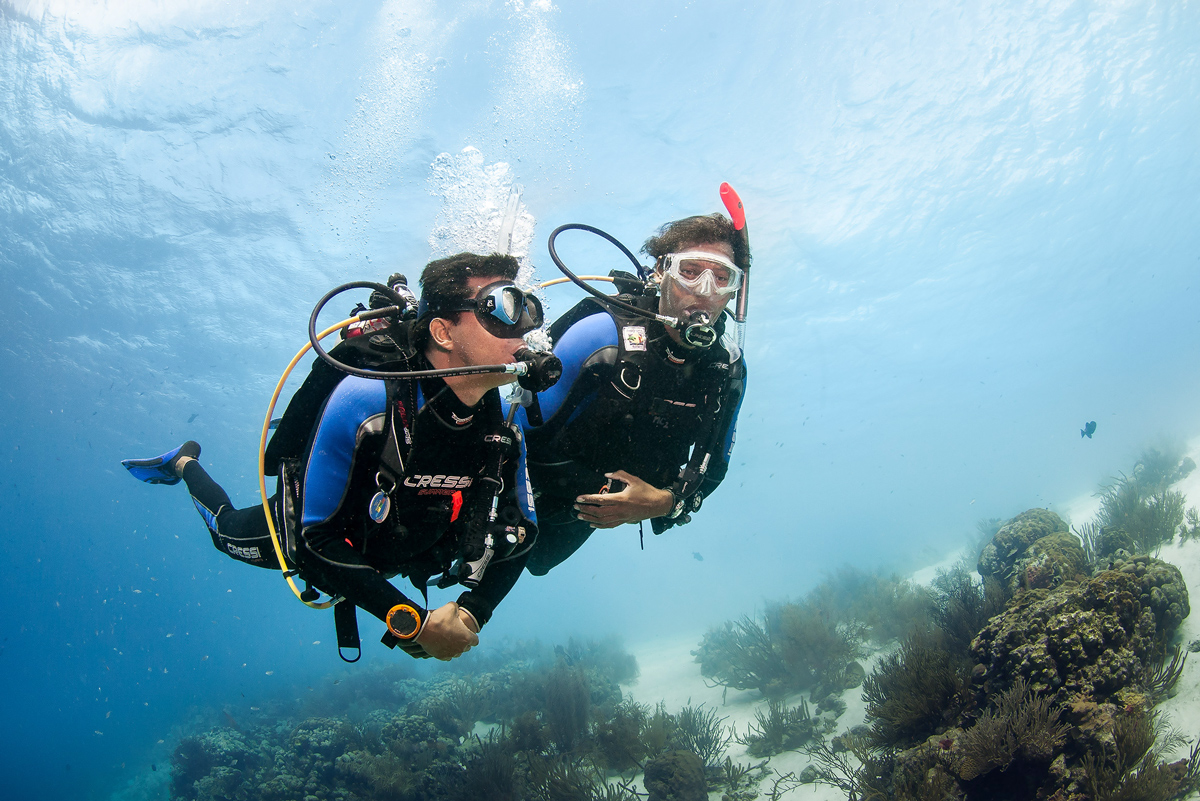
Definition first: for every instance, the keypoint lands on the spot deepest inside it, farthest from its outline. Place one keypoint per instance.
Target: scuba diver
(642, 425)
(401, 475)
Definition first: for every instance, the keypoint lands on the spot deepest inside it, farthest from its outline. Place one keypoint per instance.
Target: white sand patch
(670, 675)
(926, 575)
(1184, 709)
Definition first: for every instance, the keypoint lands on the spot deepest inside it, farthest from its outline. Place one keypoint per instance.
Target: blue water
(975, 228)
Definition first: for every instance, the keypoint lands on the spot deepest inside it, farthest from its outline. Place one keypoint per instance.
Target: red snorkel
(737, 213)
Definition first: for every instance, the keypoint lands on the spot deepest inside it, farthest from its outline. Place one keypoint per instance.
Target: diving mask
(703, 273)
(503, 310)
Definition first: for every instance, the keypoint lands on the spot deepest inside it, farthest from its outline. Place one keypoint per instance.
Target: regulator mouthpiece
(543, 369)
(698, 331)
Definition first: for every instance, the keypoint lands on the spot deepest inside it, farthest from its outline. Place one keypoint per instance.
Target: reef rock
(1086, 640)
(676, 776)
(1034, 550)
(1050, 561)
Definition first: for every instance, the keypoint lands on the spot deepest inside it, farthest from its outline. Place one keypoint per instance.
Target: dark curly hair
(444, 283)
(691, 231)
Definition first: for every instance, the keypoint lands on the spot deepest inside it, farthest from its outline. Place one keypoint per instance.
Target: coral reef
(1016, 556)
(814, 644)
(558, 726)
(1023, 728)
(1139, 513)
(917, 691)
(1091, 639)
(1035, 684)
(676, 776)
(780, 728)
(702, 733)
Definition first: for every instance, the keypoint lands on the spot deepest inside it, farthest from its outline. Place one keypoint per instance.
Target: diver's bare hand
(638, 501)
(445, 635)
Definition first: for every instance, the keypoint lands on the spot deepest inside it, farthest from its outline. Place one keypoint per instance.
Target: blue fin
(161, 469)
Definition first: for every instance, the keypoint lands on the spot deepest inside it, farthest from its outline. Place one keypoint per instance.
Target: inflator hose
(314, 340)
(607, 299)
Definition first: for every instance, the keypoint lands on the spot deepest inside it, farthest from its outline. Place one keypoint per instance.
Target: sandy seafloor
(670, 674)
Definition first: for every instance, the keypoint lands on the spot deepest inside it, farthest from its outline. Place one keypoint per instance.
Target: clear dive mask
(703, 273)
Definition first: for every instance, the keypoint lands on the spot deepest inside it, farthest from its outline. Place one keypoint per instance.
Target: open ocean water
(975, 227)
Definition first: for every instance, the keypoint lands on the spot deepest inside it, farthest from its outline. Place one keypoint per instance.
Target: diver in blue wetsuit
(380, 478)
(642, 423)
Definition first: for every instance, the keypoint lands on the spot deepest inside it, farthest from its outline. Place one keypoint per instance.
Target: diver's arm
(341, 570)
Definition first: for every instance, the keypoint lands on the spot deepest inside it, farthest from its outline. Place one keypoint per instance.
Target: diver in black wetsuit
(384, 477)
(642, 424)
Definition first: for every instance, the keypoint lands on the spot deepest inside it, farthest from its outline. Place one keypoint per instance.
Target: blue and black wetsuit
(629, 399)
(439, 450)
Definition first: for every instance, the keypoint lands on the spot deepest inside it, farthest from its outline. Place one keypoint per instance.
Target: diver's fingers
(605, 517)
(595, 515)
(621, 475)
(590, 513)
(607, 499)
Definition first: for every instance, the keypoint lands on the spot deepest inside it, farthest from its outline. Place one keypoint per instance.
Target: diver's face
(473, 345)
(677, 301)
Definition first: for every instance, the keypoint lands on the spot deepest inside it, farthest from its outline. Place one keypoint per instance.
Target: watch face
(403, 621)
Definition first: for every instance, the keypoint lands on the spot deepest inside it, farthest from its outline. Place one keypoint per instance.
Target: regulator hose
(520, 368)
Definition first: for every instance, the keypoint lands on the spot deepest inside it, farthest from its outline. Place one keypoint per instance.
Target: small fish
(337, 681)
(153, 766)
(270, 673)
(1087, 430)
(696, 555)
(193, 418)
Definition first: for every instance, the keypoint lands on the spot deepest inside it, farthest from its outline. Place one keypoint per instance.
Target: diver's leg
(162, 469)
(559, 536)
(241, 534)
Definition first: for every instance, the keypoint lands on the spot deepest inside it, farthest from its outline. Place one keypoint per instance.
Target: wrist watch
(404, 621)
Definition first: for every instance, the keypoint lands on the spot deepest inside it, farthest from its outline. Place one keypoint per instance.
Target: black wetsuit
(440, 451)
(630, 399)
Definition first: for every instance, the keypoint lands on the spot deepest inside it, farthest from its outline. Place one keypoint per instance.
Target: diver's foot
(162, 469)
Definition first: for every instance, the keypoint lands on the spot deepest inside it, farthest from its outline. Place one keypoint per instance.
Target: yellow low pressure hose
(262, 464)
(554, 281)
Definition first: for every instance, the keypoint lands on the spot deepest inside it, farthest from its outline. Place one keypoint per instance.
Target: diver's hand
(638, 501)
(445, 635)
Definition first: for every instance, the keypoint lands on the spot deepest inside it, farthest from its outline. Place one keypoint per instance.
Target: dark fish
(193, 417)
(153, 766)
(233, 724)
(1087, 430)
(696, 555)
